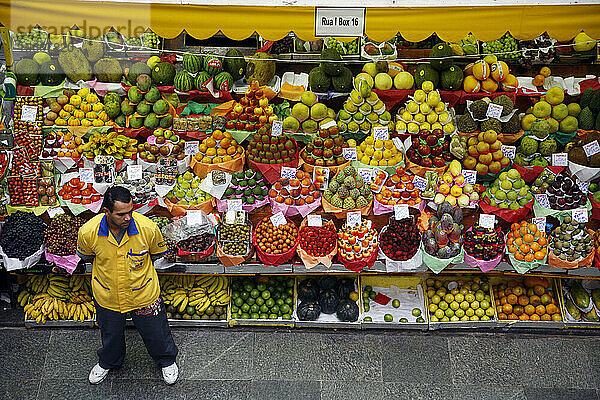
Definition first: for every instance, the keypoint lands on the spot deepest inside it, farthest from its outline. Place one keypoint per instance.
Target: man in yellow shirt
(123, 246)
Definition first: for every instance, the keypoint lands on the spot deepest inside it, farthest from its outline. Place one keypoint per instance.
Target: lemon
(437, 125)
(369, 140)
(365, 160)
(412, 107)
(363, 146)
(444, 117)
(433, 99)
(389, 144)
(387, 154)
(432, 118)
(406, 116)
(392, 161)
(383, 163)
(379, 144)
(425, 125)
(420, 118)
(427, 86)
(400, 127)
(369, 151)
(425, 108)
(414, 128)
(373, 163)
(441, 106)
(351, 142)
(449, 128)
(420, 96)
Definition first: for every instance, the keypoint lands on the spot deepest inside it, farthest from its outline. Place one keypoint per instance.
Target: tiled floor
(309, 364)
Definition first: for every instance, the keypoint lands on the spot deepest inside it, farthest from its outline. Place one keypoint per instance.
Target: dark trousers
(154, 330)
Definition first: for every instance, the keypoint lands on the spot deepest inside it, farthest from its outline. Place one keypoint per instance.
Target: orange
(227, 158)
(217, 160)
(529, 309)
(499, 310)
(519, 241)
(217, 135)
(507, 309)
(210, 142)
(511, 299)
(512, 316)
(497, 303)
(524, 248)
(500, 293)
(528, 238)
(539, 290)
(551, 309)
(524, 223)
(535, 300)
(221, 152)
(539, 255)
(503, 301)
(240, 149)
(517, 290)
(523, 230)
(509, 241)
(234, 142)
(542, 241)
(532, 228)
(518, 310)
(545, 317)
(225, 143)
(529, 257)
(514, 226)
(207, 160)
(523, 300)
(556, 317)
(512, 249)
(540, 310)
(211, 151)
(202, 147)
(535, 317)
(534, 246)
(227, 135)
(231, 150)
(524, 317)
(519, 257)
(502, 316)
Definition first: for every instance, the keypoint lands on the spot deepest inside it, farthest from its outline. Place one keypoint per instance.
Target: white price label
(381, 133)
(509, 152)
(369, 224)
(54, 211)
(314, 220)
(278, 219)
(277, 128)
(580, 215)
(560, 160)
(542, 200)
(591, 148)
(470, 176)
(86, 175)
(194, 217)
(365, 173)
(28, 113)
(540, 222)
(401, 211)
(494, 111)
(350, 153)
(342, 22)
(234, 205)
(288, 172)
(230, 217)
(419, 182)
(353, 218)
(328, 125)
(584, 186)
(134, 172)
(487, 221)
(191, 148)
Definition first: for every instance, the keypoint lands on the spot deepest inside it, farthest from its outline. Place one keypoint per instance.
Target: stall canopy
(562, 22)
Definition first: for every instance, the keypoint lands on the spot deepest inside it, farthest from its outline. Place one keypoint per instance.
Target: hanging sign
(342, 22)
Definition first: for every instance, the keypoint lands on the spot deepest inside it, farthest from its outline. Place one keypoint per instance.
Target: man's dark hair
(115, 193)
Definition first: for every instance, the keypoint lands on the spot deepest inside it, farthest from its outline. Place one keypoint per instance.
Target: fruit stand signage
(234, 204)
(401, 211)
(509, 151)
(487, 221)
(494, 111)
(470, 176)
(328, 125)
(584, 186)
(288, 172)
(315, 220)
(277, 128)
(28, 113)
(381, 133)
(559, 159)
(540, 222)
(591, 148)
(194, 217)
(580, 215)
(134, 172)
(419, 182)
(543, 200)
(278, 219)
(191, 148)
(86, 175)
(353, 219)
(342, 22)
(365, 173)
(350, 153)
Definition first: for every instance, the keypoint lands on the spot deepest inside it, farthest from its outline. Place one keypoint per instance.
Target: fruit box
(327, 320)
(199, 322)
(398, 296)
(528, 295)
(587, 292)
(471, 294)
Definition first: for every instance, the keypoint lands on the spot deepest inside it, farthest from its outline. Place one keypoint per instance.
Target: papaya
(596, 297)
(532, 281)
(591, 316)
(580, 296)
(572, 309)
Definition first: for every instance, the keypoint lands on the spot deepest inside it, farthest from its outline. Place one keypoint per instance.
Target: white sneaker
(170, 374)
(97, 374)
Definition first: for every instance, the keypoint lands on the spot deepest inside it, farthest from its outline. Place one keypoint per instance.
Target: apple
(337, 150)
(243, 117)
(426, 162)
(238, 108)
(252, 118)
(244, 102)
(239, 126)
(424, 150)
(318, 142)
(439, 133)
(249, 93)
(230, 125)
(263, 102)
(431, 140)
(331, 162)
(154, 149)
(259, 93)
(258, 111)
(338, 140)
(445, 146)
(254, 103)
(436, 151)
(324, 133)
(328, 143)
(327, 153)
(263, 119)
(447, 156)
(249, 127)
(438, 162)
(317, 152)
(268, 110)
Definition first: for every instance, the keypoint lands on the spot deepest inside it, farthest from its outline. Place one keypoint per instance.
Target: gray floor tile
(215, 354)
(536, 393)
(403, 358)
(593, 350)
(483, 392)
(288, 356)
(218, 390)
(351, 357)
(61, 389)
(305, 390)
(23, 352)
(342, 390)
(19, 389)
(148, 389)
(70, 348)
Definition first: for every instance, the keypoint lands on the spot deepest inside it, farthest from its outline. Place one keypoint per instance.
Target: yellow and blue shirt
(123, 274)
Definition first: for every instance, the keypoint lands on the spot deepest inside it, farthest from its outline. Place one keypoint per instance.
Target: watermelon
(213, 65)
(163, 74)
(224, 82)
(202, 79)
(235, 64)
(192, 63)
(183, 81)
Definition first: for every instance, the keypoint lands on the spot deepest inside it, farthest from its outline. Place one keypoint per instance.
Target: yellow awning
(239, 22)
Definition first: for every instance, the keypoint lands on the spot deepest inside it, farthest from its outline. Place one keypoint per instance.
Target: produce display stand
(88, 323)
(568, 320)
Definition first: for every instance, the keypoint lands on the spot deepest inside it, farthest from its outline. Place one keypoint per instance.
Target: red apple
(438, 162)
(328, 143)
(426, 162)
(424, 150)
(249, 127)
(230, 125)
(253, 118)
(239, 126)
(263, 119)
(244, 102)
(337, 151)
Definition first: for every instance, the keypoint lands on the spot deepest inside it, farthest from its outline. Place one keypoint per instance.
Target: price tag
(54, 211)
(591, 148)
(314, 220)
(278, 219)
(381, 133)
(194, 217)
(342, 22)
(134, 172)
(542, 200)
(580, 215)
(191, 148)
(540, 222)
(487, 220)
(401, 211)
(509, 151)
(86, 175)
(353, 218)
(28, 113)
(584, 186)
(560, 160)
(230, 216)
(494, 111)
(350, 153)
(277, 128)
(328, 125)
(470, 176)
(419, 182)
(234, 205)
(365, 173)
(288, 172)
(369, 224)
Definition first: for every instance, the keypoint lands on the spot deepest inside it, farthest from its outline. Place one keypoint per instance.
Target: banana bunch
(38, 283)
(199, 292)
(110, 144)
(43, 307)
(59, 286)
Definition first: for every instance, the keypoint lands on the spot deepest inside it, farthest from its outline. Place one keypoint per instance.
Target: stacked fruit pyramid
(252, 112)
(363, 109)
(81, 108)
(348, 190)
(308, 115)
(425, 111)
(199, 71)
(489, 75)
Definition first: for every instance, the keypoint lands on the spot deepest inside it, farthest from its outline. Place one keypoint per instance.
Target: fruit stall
(424, 179)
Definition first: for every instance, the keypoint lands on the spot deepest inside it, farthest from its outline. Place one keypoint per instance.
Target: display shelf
(88, 323)
(321, 269)
(584, 271)
(252, 268)
(190, 268)
(198, 323)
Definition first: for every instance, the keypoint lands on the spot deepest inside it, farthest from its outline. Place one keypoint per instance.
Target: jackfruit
(108, 70)
(336, 201)
(331, 68)
(586, 97)
(343, 82)
(261, 69)
(491, 124)
(577, 155)
(93, 49)
(513, 125)
(548, 146)
(506, 103)
(466, 124)
(75, 65)
(595, 160)
(595, 101)
(539, 161)
(478, 108)
(318, 80)
(528, 146)
(540, 128)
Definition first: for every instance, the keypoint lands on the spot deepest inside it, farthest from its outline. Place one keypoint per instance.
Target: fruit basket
(484, 247)
(531, 302)
(399, 245)
(441, 243)
(294, 194)
(581, 301)
(460, 302)
(262, 300)
(234, 241)
(571, 245)
(396, 302)
(526, 246)
(317, 244)
(327, 301)
(275, 245)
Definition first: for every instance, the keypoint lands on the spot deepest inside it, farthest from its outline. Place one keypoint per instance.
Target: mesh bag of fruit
(399, 246)
(195, 240)
(317, 245)
(480, 246)
(275, 245)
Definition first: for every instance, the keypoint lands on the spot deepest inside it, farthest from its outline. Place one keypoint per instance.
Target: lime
(434, 319)
(235, 294)
(260, 301)
(289, 301)
(368, 288)
(404, 320)
(254, 308)
(275, 309)
(251, 301)
(285, 309)
(279, 302)
(269, 303)
(254, 315)
(273, 316)
(372, 295)
(248, 287)
(368, 319)
(454, 318)
(286, 316)
(395, 303)
(261, 287)
(245, 308)
(238, 302)
(264, 308)
(264, 316)
(420, 320)
(266, 294)
(365, 295)
(254, 293)
(416, 312)
(245, 316)
(445, 319)
(388, 318)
